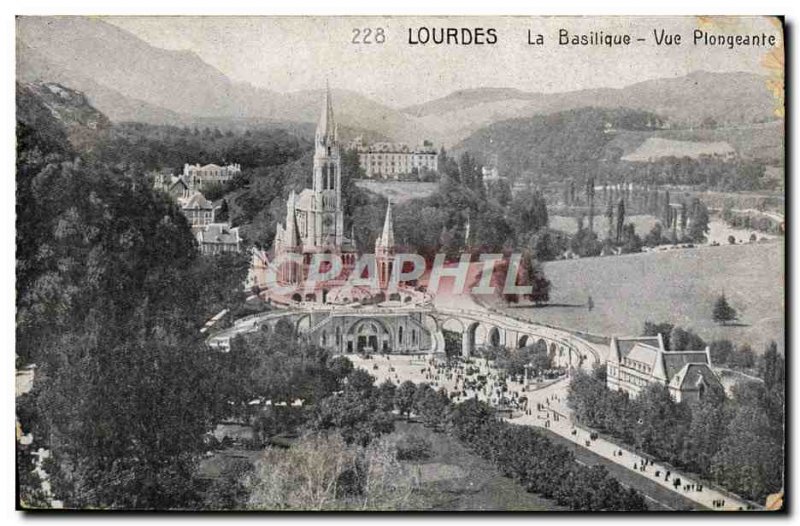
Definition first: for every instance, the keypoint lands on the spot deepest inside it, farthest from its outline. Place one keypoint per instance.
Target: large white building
(199, 176)
(385, 160)
(635, 363)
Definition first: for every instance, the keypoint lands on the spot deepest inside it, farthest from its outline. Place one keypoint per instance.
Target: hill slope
(567, 143)
(128, 79)
(60, 113)
(725, 98)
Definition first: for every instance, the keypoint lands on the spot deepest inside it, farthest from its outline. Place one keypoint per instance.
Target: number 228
(368, 35)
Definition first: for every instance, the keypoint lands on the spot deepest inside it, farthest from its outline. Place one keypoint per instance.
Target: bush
(414, 448)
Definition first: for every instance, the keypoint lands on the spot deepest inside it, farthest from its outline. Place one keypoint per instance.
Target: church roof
(198, 201)
(176, 181)
(674, 361)
(292, 229)
(649, 350)
(643, 353)
(626, 345)
(692, 376)
(218, 233)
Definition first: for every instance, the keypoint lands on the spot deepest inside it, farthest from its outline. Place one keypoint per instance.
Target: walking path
(554, 416)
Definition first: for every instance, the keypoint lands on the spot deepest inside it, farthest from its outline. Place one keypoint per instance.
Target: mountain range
(130, 80)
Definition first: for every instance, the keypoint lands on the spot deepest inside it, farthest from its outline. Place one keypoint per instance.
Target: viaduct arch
(477, 329)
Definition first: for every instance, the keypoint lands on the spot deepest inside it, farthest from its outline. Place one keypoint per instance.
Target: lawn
(398, 191)
(454, 479)
(676, 286)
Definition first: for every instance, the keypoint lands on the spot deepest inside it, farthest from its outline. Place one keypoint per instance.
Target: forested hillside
(585, 142)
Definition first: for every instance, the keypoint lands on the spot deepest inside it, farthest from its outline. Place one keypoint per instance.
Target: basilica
(315, 221)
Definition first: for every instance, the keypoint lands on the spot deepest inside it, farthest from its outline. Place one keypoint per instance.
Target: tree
(743, 357)
(355, 415)
(706, 433)
(361, 381)
(222, 213)
(721, 351)
(663, 424)
(590, 191)
(683, 219)
(610, 219)
(535, 277)
(404, 400)
(387, 392)
(434, 407)
(750, 460)
(528, 213)
(654, 329)
(698, 221)
(685, 340)
(773, 367)
(723, 312)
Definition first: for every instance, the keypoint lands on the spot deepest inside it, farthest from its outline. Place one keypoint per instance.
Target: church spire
(326, 129)
(292, 230)
(387, 237)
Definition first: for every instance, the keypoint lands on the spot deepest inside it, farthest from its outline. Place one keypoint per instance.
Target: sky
(297, 53)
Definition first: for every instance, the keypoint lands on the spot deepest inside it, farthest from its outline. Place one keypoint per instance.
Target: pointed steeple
(326, 129)
(387, 237)
(292, 230)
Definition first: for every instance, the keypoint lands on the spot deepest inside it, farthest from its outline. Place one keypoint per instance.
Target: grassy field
(677, 286)
(454, 479)
(399, 191)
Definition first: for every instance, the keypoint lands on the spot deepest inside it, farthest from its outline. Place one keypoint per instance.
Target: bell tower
(328, 214)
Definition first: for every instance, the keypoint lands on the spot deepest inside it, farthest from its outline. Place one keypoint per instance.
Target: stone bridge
(478, 328)
(416, 329)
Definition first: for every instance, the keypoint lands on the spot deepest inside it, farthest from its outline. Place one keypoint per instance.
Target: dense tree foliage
(736, 442)
(152, 147)
(525, 455)
(570, 144)
(111, 294)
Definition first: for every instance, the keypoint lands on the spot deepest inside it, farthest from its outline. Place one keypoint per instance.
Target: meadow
(675, 286)
(398, 191)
